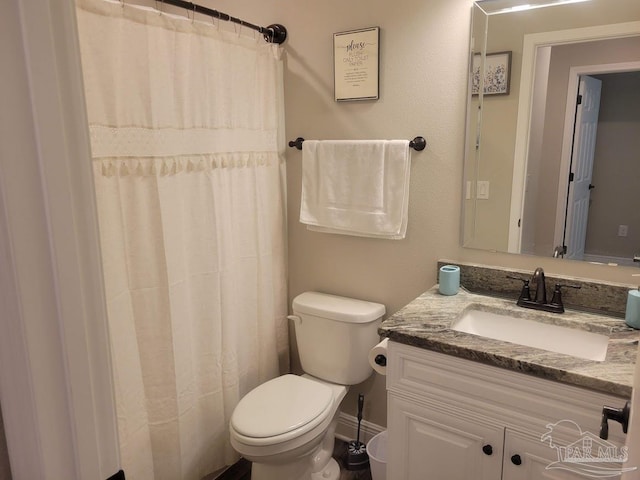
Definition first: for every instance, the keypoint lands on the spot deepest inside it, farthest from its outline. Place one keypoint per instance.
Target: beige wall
(424, 46)
(423, 80)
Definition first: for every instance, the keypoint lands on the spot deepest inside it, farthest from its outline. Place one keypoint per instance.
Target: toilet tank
(334, 335)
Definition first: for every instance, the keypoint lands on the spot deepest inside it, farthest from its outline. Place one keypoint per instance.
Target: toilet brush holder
(357, 457)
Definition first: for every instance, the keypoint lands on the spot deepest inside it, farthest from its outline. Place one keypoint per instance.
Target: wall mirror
(552, 161)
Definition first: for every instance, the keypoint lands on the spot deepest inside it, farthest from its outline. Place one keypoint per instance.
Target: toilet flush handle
(296, 319)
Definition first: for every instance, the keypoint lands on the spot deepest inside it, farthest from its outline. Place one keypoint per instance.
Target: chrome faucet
(541, 287)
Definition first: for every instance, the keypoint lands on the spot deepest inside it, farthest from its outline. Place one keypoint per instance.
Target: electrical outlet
(623, 230)
(482, 190)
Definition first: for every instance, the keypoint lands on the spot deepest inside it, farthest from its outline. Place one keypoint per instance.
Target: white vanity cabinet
(527, 458)
(456, 419)
(430, 442)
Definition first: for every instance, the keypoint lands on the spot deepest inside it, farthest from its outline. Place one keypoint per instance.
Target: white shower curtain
(187, 144)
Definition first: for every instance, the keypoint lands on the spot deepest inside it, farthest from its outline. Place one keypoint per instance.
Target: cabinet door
(527, 458)
(435, 443)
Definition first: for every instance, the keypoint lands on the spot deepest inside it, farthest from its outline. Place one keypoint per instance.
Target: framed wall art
(497, 74)
(356, 58)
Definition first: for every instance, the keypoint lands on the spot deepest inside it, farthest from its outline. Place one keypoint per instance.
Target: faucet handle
(525, 293)
(556, 300)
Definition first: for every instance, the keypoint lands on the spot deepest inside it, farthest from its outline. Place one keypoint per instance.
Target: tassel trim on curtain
(146, 167)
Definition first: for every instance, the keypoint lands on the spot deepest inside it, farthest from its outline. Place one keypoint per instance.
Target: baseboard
(348, 426)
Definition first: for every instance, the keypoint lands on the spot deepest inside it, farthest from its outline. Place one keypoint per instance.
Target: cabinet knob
(516, 460)
(487, 449)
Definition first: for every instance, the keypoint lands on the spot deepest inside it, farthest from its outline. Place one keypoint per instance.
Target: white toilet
(286, 426)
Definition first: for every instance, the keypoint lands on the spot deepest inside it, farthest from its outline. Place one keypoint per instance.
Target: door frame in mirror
(530, 46)
(563, 179)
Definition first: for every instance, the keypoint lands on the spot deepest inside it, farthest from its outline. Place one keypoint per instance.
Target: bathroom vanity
(462, 405)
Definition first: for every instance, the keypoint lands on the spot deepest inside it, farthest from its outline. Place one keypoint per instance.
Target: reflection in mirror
(545, 173)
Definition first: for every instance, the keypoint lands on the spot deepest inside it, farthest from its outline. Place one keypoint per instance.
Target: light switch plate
(483, 190)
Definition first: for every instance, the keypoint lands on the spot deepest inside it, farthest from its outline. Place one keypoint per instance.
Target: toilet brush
(357, 457)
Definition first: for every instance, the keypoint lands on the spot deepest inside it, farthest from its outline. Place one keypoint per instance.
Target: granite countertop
(426, 322)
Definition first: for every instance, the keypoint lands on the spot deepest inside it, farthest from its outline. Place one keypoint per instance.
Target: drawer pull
(516, 460)
(487, 449)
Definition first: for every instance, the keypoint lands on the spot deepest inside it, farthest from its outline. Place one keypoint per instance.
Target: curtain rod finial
(276, 33)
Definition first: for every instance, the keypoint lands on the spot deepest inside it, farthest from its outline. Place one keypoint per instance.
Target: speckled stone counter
(426, 322)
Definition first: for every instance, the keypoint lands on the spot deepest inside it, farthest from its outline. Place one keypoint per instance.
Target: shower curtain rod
(274, 33)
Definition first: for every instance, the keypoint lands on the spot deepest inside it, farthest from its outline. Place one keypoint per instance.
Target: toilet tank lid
(337, 308)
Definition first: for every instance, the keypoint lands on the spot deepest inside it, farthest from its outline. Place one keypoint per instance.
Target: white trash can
(377, 450)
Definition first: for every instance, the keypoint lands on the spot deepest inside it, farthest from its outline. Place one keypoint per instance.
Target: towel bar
(418, 143)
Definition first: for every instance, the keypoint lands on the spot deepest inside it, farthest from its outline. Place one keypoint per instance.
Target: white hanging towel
(356, 187)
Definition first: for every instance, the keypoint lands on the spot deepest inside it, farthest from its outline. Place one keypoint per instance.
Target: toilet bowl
(286, 426)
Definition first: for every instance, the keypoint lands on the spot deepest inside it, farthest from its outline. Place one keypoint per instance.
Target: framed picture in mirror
(497, 73)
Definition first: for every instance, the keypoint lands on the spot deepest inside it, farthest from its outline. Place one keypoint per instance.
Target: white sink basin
(553, 338)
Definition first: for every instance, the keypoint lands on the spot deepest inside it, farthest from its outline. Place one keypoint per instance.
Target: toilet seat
(281, 409)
